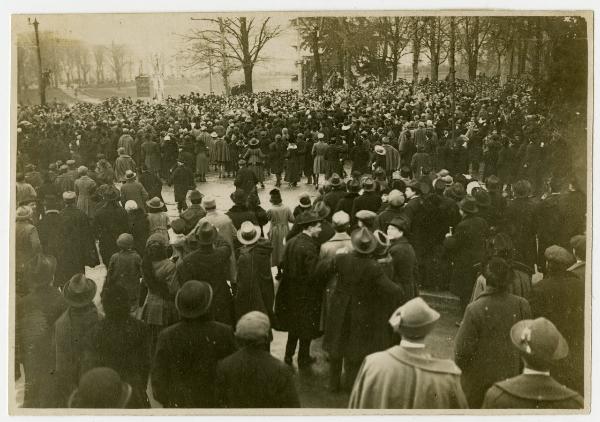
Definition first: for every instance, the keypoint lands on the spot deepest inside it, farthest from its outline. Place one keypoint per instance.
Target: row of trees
(71, 61)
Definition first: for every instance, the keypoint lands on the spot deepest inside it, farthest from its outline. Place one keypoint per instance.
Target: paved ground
(311, 383)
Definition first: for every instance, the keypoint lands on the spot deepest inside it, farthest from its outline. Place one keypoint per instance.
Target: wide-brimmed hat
(335, 180)
(253, 142)
(483, 198)
(368, 184)
(304, 200)
(206, 233)
(193, 299)
(363, 241)
(414, 319)
(468, 205)
(100, 388)
(308, 217)
(379, 150)
(69, 196)
(248, 233)
(540, 339)
(125, 241)
(214, 135)
(253, 326)
(238, 197)
(321, 209)
(130, 174)
(79, 290)
(155, 203)
(23, 213)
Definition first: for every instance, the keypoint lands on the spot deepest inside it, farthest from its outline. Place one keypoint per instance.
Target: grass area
(32, 96)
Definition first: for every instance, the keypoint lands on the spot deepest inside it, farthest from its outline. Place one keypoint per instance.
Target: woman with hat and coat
(84, 189)
(361, 302)
(255, 159)
(158, 221)
(483, 349)
(122, 343)
(294, 156)
(369, 200)
(319, 150)
(123, 163)
(210, 263)
(35, 315)
(185, 363)
(182, 179)
(406, 376)
(539, 344)
(110, 220)
(255, 290)
(133, 190)
(152, 183)
(280, 217)
(299, 297)
(27, 246)
(240, 212)
(467, 248)
(70, 331)
(277, 158)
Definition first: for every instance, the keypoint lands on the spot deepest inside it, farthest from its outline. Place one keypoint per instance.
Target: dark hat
(540, 339)
(578, 243)
(155, 203)
(248, 233)
(275, 196)
(415, 185)
(400, 223)
(41, 269)
(195, 197)
(178, 225)
(335, 180)
(321, 209)
(129, 174)
(559, 255)
(368, 184)
(456, 192)
(110, 193)
(468, 205)
(305, 200)
(193, 299)
(125, 241)
(363, 241)
(483, 198)
(206, 233)
(353, 186)
(79, 291)
(493, 184)
(238, 197)
(100, 388)
(308, 217)
(414, 319)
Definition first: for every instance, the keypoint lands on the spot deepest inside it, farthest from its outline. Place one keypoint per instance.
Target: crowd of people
(464, 187)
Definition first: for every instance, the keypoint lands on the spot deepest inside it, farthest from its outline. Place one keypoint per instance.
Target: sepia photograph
(384, 212)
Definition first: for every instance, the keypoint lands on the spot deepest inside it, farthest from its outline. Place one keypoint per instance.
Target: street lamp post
(41, 83)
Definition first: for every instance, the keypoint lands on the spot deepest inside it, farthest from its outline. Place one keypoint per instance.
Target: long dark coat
(560, 297)
(404, 261)
(151, 183)
(519, 223)
(277, 156)
(252, 378)
(300, 294)
(185, 363)
(139, 228)
(483, 348)
(210, 264)
(50, 233)
(151, 155)
(255, 280)
(548, 224)
(183, 181)
(295, 161)
(467, 248)
(362, 302)
(245, 179)
(79, 248)
(110, 221)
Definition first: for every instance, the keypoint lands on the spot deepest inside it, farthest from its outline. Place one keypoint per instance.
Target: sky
(150, 33)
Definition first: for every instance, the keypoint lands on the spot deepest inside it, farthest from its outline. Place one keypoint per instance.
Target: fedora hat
(100, 388)
(321, 209)
(308, 217)
(69, 196)
(539, 338)
(206, 233)
(335, 180)
(304, 200)
(79, 291)
(363, 241)
(368, 184)
(379, 150)
(253, 142)
(23, 213)
(193, 299)
(414, 319)
(248, 233)
(468, 205)
(129, 174)
(155, 203)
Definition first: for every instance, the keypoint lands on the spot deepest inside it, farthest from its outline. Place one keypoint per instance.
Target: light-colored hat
(472, 185)
(69, 196)
(82, 170)
(209, 202)
(125, 241)
(253, 326)
(23, 213)
(340, 218)
(214, 135)
(129, 174)
(414, 319)
(539, 338)
(396, 198)
(131, 205)
(320, 135)
(379, 150)
(155, 203)
(248, 233)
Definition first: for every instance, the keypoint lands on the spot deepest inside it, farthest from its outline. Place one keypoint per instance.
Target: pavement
(311, 383)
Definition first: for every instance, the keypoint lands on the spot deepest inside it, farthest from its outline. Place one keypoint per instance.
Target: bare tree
(117, 55)
(99, 52)
(397, 28)
(452, 50)
(474, 34)
(417, 33)
(435, 41)
(311, 31)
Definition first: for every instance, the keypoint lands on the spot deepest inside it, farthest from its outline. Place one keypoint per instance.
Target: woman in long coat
(151, 156)
(319, 149)
(292, 172)
(84, 188)
(201, 160)
(109, 222)
(222, 156)
(280, 216)
(255, 159)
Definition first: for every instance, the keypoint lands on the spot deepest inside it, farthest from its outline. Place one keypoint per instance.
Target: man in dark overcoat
(277, 158)
(363, 298)
(246, 179)
(187, 353)
(519, 218)
(369, 200)
(110, 220)
(337, 192)
(210, 263)
(183, 181)
(467, 248)
(300, 294)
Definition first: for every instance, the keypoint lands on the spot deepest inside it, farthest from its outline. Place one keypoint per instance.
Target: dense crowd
(466, 187)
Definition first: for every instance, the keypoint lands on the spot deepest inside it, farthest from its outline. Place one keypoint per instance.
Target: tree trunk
(416, 52)
(224, 60)
(394, 67)
(248, 77)
(499, 64)
(317, 60)
(452, 53)
(512, 59)
(537, 53)
(347, 70)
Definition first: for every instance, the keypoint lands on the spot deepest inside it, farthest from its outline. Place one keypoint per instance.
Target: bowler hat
(308, 217)
(368, 184)
(206, 233)
(468, 205)
(193, 299)
(248, 233)
(363, 241)
(559, 255)
(155, 203)
(129, 174)
(415, 319)
(100, 388)
(539, 338)
(79, 291)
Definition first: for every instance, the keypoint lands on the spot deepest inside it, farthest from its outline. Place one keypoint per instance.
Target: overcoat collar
(419, 358)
